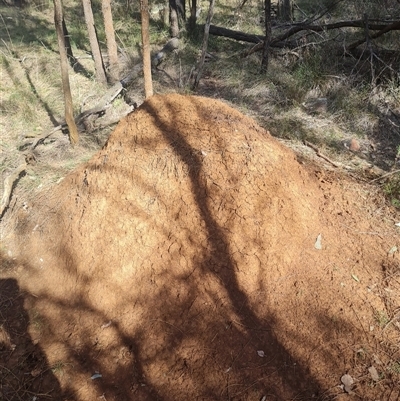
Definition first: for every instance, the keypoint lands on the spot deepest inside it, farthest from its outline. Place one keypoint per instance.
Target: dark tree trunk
(193, 16)
(181, 9)
(69, 115)
(285, 10)
(267, 40)
(237, 35)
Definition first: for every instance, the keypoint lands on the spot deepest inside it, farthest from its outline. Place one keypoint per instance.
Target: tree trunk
(205, 44)
(193, 16)
(94, 43)
(173, 19)
(285, 10)
(70, 55)
(148, 84)
(181, 9)
(166, 13)
(267, 40)
(110, 37)
(69, 115)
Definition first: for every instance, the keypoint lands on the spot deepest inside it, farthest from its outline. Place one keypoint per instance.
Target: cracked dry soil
(180, 263)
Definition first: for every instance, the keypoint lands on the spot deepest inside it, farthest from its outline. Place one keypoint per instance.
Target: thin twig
(385, 175)
(8, 187)
(322, 156)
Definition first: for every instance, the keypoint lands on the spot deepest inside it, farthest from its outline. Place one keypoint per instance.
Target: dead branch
(322, 156)
(395, 26)
(237, 35)
(385, 175)
(9, 185)
(103, 104)
(280, 40)
(78, 121)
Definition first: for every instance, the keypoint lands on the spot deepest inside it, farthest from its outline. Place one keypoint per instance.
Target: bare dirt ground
(194, 257)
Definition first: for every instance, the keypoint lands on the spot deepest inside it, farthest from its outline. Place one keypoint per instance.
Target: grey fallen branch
(103, 104)
(385, 175)
(321, 155)
(9, 185)
(78, 121)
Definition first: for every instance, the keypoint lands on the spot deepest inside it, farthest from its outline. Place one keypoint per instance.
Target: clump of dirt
(193, 257)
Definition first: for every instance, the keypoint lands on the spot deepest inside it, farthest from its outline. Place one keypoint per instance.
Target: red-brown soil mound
(182, 262)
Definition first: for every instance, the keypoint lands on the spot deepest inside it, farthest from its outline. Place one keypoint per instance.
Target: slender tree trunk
(181, 9)
(173, 19)
(265, 53)
(112, 49)
(70, 55)
(148, 84)
(69, 115)
(285, 10)
(166, 13)
(205, 44)
(193, 16)
(94, 43)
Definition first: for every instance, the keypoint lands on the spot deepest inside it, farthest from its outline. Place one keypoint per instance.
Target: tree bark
(173, 19)
(69, 115)
(112, 49)
(94, 43)
(205, 44)
(193, 16)
(181, 9)
(285, 10)
(148, 84)
(70, 55)
(267, 39)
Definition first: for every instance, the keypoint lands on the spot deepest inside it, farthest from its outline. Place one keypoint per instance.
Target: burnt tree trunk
(94, 43)
(148, 84)
(112, 49)
(69, 115)
(267, 40)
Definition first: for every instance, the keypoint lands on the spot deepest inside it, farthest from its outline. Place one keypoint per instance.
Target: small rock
(374, 373)
(348, 382)
(318, 242)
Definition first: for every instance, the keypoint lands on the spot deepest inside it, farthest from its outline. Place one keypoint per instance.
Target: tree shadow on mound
(24, 370)
(188, 334)
(220, 263)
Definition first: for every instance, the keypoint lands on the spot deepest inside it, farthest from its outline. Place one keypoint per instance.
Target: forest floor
(196, 256)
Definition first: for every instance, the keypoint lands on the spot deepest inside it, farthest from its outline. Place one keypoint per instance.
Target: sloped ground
(193, 257)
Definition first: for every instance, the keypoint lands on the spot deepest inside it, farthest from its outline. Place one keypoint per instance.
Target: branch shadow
(154, 328)
(24, 370)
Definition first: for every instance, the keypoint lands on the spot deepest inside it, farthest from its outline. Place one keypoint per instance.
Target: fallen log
(281, 40)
